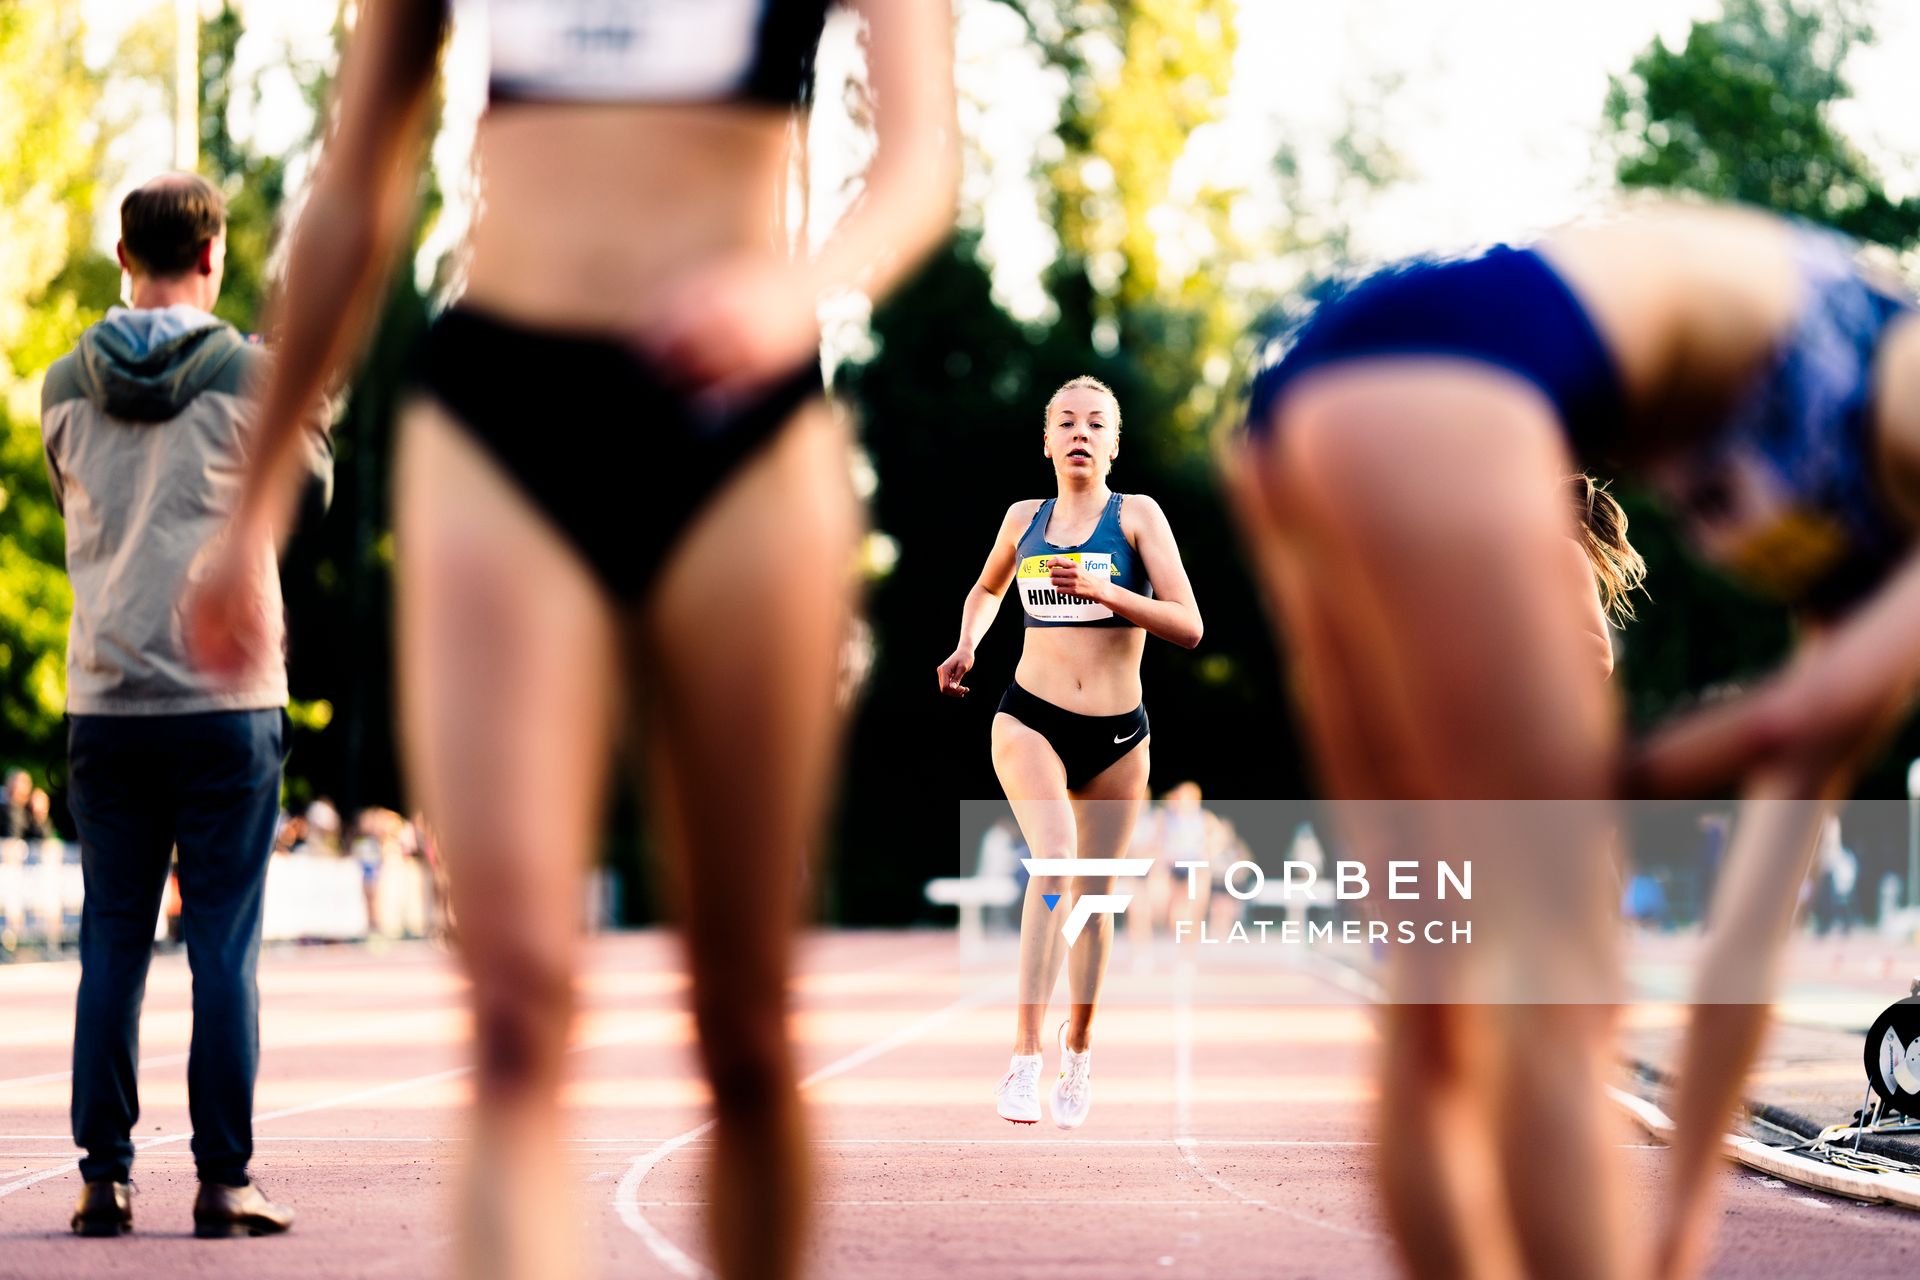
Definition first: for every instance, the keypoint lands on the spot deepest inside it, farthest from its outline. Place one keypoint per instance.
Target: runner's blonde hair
(1090, 383)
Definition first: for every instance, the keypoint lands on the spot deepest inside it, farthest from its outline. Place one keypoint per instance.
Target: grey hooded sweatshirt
(146, 426)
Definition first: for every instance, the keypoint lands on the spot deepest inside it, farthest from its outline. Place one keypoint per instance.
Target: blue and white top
(1106, 550)
(1783, 495)
(653, 50)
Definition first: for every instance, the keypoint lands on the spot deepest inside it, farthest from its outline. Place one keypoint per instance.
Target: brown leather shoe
(105, 1209)
(220, 1212)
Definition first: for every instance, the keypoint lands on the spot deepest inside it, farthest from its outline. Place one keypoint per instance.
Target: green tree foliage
(51, 287)
(254, 184)
(1742, 110)
(1144, 76)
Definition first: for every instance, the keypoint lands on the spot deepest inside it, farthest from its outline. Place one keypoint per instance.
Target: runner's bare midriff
(587, 208)
(1092, 671)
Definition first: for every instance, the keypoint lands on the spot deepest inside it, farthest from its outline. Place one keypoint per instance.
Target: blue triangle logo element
(1052, 900)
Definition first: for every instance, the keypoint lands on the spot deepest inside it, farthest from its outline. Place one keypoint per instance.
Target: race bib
(1041, 601)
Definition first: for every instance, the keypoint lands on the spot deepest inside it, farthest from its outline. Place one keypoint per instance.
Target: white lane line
(626, 1196)
(323, 1104)
(54, 1077)
(306, 1108)
(1040, 1140)
(1188, 1203)
(1183, 1139)
(585, 1145)
(363, 1029)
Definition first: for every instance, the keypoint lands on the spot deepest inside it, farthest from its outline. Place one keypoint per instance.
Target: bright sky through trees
(1492, 106)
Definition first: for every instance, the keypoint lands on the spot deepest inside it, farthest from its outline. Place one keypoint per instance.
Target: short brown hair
(164, 223)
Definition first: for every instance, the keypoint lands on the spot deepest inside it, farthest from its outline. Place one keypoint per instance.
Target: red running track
(1231, 1135)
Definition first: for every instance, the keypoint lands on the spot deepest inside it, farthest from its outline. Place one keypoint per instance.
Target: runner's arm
(360, 206)
(906, 208)
(1815, 721)
(1843, 693)
(1170, 612)
(983, 600)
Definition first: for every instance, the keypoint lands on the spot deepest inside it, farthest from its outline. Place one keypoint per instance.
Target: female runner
(1097, 572)
(617, 463)
(1403, 448)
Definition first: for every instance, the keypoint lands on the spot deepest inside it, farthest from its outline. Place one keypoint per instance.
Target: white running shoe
(1019, 1094)
(1073, 1091)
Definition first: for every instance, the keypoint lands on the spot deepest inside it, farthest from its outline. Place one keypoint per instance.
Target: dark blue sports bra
(1106, 550)
(653, 50)
(1783, 496)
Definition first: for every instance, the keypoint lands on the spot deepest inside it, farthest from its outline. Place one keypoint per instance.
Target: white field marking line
(1064, 1143)
(922, 1204)
(321, 1104)
(258, 1138)
(307, 1108)
(362, 1095)
(584, 1144)
(54, 1077)
(358, 1031)
(626, 1195)
(1183, 1139)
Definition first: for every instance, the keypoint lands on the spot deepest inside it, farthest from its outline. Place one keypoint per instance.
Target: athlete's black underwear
(1086, 745)
(616, 458)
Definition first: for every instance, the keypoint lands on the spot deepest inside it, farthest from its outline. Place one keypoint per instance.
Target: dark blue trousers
(139, 786)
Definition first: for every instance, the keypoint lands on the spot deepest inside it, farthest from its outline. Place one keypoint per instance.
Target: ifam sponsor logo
(1086, 905)
(1301, 883)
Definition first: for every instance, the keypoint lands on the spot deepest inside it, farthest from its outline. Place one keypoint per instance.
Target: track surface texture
(1232, 1133)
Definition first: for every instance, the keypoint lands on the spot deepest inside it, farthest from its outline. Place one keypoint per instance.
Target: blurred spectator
(39, 816)
(1001, 849)
(323, 827)
(1645, 901)
(292, 836)
(440, 920)
(1837, 872)
(395, 882)
(16, 817)
(1714, 829)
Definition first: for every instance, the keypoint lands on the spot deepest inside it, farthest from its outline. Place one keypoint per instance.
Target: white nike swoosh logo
(1118, 739)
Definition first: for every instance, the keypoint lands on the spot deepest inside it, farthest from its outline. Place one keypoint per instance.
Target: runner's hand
(953, 671)
(224, 616)
(1814, 719)
(733, 325)
(1067, 577)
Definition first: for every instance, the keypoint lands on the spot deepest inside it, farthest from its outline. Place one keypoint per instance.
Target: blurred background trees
(1158, 275)
(52, 285)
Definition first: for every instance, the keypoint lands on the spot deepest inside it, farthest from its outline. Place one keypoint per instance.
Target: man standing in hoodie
(146, 425)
